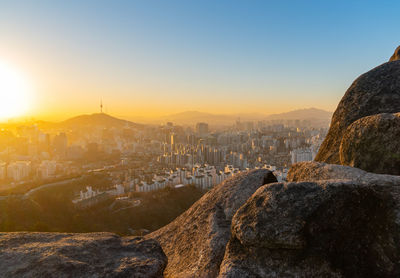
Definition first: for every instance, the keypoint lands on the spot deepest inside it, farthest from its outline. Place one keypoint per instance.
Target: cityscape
(180, 138)
(142, 158)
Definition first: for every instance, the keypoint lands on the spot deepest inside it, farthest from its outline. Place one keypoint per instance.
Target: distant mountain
(193, 117)
(302, 114)
(313, 115)
(316, 116)
(97, 120)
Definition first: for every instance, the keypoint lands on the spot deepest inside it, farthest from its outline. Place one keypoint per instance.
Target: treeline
(52, 210)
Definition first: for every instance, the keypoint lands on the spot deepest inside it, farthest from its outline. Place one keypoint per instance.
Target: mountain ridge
(82, 120)
(306, 113)
(98, 119)
(191, 117)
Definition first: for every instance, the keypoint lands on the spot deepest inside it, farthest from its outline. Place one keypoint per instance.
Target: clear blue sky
(147, 56)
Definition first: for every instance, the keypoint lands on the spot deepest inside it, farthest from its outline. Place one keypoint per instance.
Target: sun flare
(15, 92)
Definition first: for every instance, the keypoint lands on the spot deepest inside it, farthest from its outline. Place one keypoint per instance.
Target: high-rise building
(3, 170)
(47, 168)
(202, 129)
(19, 170)
(299, 155)
(60, 144)
(173, 139)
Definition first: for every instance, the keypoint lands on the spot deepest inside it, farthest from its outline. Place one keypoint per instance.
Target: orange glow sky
(152, 59)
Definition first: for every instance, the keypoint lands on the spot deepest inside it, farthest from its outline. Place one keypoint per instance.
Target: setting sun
(15, 92)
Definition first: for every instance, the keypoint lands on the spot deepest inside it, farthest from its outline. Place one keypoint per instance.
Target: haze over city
(148, 59)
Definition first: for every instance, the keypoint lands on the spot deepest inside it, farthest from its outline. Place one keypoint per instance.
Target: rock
(58, 255)
(195, 242)
(396, 55)
(316, 171)
(372, 144)
(316, 229)
(374, 92)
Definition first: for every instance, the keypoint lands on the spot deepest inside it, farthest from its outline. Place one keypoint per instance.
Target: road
(30, 192)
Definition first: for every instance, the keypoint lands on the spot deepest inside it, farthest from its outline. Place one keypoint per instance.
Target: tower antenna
(101, 105)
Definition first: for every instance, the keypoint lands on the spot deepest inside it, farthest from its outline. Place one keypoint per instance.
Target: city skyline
(154, 59)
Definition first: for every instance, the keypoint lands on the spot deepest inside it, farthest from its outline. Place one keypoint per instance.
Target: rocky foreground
(336, 217)
(318, 228)
(374, 92)
(195, 242)
(79, 255)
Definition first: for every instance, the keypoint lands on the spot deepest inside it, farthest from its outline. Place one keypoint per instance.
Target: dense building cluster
(145, 158)
(245, 145)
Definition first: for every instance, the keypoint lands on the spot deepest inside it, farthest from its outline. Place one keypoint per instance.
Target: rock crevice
(327, 228)
(195, 242)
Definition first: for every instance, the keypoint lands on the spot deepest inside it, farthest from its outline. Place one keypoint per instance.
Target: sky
(149, 58)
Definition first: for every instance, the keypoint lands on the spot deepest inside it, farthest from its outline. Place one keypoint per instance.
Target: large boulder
(396, 55)
(374, 92)
(317, 171)
(79, 255)
(195, 242)
(372, 144)
(316, 229)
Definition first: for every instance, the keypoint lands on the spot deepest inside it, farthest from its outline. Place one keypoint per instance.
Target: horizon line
(38, 117)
